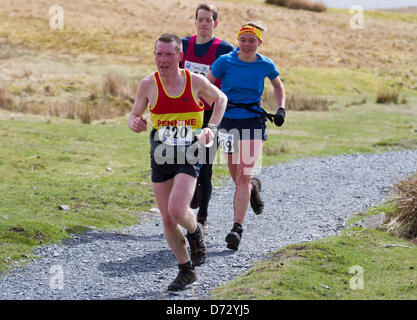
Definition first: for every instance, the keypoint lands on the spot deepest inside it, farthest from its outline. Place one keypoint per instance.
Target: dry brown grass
(270, 149)
(405, 224)
(356, 103)
(86, 110)
(298, 102)
(294, 37)
(122, 33)
(67, 99)
(316, 6)
(387, 97)
(5, 101)
(113, 85)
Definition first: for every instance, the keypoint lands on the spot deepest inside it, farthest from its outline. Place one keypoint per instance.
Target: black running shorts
(249, 129)
(164, 172)
(240, 129)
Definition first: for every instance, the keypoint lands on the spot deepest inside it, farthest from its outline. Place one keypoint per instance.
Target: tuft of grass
(113, 85)
(5, 101)
(85, 115)
(387, 96)
(270, 149)
(299, 102)
(316, 6)
(405, 223)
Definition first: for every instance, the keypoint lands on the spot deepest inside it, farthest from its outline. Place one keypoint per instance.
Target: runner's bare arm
(211, 78)
(279, 92)
(212, 94)
(135, 121)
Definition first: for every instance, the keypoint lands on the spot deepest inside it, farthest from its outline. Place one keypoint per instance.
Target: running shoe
(255, 198)
(197, 246)
(205, 225)
(185, 277)
(233, 240)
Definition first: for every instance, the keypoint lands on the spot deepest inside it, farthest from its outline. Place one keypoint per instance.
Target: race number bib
(198, 68)
(176, 136)
(225, 141)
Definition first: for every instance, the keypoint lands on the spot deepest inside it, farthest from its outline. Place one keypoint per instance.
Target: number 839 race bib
(225, 141)
(176, 136)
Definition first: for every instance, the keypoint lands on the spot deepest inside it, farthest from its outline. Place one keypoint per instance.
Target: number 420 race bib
(176, 136)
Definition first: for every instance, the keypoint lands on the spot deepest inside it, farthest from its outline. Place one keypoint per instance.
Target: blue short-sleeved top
(243, 82)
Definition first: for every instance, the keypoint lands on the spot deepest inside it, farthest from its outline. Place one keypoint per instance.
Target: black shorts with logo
(167, 168)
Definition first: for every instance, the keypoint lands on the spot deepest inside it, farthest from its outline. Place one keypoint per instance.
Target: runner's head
(206, 20)
(250, 37)
(168, 53)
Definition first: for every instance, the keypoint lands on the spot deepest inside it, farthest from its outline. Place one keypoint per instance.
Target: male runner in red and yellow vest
(172, 95)
(200, 52)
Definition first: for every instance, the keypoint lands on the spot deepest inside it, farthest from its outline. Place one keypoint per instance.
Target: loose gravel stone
(304, 200)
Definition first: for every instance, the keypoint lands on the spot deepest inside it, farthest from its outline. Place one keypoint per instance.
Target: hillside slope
(317, 53)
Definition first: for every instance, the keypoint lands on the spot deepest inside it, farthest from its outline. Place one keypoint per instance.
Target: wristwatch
(213, 127)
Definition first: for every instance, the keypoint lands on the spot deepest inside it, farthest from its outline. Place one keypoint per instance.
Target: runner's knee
(176, 212)
(169, 223)
(242, 179)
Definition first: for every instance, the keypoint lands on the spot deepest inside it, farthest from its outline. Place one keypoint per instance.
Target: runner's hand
(279, 117)
(138, 124)
(206, 136)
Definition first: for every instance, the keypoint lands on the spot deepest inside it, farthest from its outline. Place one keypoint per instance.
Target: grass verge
(358, 264)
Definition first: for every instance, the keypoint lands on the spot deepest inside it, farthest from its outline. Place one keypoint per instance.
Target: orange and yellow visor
(250, 30)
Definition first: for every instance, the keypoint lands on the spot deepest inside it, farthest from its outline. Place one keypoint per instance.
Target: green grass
(368, 128)
(320, 270)
(324, 269)
(388, 208)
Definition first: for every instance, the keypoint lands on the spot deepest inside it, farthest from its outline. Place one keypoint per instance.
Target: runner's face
(167, 58)
(248, 44)
(205, 23)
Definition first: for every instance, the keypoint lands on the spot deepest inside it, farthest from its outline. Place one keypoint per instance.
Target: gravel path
(304, 200)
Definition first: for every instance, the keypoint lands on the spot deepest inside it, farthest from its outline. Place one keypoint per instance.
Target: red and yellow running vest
(180, 111)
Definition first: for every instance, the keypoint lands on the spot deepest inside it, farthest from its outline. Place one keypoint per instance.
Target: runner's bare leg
(173, 198)
(241, 174)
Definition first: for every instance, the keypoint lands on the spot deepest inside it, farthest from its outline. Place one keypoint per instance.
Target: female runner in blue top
(243, 130)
